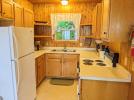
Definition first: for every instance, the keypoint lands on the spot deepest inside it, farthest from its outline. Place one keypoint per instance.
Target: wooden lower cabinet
(102, 90)
(61, 65)
(40, 69)
(54, 65)
(69, 68)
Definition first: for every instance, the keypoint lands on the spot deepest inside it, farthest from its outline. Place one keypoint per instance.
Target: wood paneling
(25, 3)
(131, 94)
(43, 11)
(58, 1)
(102, 90)
(121, 19)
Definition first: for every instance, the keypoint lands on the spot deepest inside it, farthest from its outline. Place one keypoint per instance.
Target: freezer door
(23, 41)
(27, 81)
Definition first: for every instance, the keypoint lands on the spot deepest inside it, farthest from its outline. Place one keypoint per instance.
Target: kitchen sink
(63, 50)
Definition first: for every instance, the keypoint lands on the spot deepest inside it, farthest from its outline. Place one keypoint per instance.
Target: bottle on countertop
(102, 52)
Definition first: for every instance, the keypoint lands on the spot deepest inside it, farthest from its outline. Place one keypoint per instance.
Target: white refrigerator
(17, 64)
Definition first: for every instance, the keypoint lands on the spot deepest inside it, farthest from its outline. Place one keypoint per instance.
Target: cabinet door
(97, 20)
(105, 19)
(94, 19)
(69, 68)
(18, 14)
(40, 69)
(0, 9)
(53, 65)
(28, 18)
(7, 9)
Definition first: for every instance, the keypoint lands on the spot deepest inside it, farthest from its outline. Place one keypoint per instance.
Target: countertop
(107, 73)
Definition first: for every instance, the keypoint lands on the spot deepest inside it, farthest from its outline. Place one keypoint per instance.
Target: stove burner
(101, 64)
(88, 63)
(98, 60)
(88, 60)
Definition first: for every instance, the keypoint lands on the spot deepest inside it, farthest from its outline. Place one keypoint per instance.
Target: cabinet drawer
(53, 56)
(70, 56)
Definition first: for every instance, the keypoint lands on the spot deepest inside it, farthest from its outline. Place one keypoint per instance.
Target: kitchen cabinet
(18, 14)
(40, 69)
(103, 90)
(61, 65)
(105, 19)
(28, 18)
(7, 9)
(53, 65)
(69, 68)
(0, 9)
(97, 20)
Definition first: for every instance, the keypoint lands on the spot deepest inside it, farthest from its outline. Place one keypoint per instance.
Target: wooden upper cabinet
(28, 18)
(7, 9)
(53, 65)
(69, 68)
(105, 18)
(18, 15)
(94, 20)
(0, 9)
(97, 20)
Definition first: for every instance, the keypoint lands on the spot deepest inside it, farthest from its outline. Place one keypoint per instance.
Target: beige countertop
(107, 73)
(39, 53)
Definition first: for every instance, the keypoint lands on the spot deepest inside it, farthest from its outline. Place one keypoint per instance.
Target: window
(65, 30)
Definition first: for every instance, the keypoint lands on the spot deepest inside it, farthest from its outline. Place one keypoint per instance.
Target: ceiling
(58, 1)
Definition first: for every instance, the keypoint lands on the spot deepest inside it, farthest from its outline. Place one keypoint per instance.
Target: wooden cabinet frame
(65, 70)
(7, 9)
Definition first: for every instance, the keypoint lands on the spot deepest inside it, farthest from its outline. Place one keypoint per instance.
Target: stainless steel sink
(63, 50)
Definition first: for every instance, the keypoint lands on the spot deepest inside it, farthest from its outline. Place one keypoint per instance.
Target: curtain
(74, 18)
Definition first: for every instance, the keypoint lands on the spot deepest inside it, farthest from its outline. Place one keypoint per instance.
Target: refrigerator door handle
(18, 73)
(16, 61)
(16, 46)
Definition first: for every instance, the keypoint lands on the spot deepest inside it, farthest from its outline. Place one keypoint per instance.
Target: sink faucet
(65, 47)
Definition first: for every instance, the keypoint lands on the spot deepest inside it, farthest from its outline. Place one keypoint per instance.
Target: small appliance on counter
(37, 45)
(113, 56)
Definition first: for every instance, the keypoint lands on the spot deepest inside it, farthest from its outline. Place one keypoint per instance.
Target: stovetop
(95, 62)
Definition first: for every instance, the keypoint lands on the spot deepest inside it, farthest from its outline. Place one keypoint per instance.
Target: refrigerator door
(27, 83)
(7, 74)
(22, 40)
